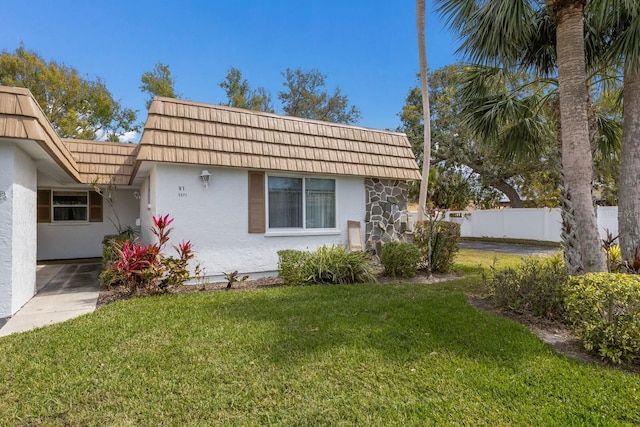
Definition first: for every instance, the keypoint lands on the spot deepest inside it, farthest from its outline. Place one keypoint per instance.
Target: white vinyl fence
(526, 223)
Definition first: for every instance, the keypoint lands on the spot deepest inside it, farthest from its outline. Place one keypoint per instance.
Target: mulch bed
(552, 332)
(115, 294)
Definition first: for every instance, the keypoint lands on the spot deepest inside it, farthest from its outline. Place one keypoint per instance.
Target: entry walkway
(65, 291)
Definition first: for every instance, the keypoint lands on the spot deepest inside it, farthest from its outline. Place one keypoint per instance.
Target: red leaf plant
(144, 268)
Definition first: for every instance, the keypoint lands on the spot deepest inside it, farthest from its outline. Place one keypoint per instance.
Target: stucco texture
(215, 219)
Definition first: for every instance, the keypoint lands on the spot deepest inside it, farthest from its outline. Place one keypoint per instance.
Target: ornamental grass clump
(604, 311)
(400, 259)
(329, 264)
(141, 268)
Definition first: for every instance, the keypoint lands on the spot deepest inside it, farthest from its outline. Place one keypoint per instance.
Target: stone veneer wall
(386, 215)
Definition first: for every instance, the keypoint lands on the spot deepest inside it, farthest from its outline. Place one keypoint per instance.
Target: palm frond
(539, 53)
(456, 13)
(491, 32)
(618, 23)
(609, 136)
(628, 44)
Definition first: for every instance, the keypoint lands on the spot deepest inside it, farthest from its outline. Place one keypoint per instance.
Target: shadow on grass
(398, 322)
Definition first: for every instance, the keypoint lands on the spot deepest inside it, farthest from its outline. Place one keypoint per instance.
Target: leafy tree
(458, 151)
(240, 95)
(158, 82)
(75, 106)
(449, 188)
(507, 33)
(305, 96)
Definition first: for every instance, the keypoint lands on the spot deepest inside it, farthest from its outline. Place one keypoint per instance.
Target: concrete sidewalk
(65, 291)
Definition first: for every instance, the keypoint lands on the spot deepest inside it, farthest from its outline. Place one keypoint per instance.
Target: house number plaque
(181, 191)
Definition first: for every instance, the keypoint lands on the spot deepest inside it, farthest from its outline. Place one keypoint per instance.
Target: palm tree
(422, 52)
(577, 158)
(620, 19)
(498, 33)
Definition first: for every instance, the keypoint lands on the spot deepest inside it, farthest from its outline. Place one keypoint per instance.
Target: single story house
(241, 185)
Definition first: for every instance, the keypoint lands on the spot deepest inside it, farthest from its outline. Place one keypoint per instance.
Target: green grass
(476, 262)
(532, 242)
(407, 354)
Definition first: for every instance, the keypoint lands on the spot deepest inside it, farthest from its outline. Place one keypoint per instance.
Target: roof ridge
(91, 141)
(15, 90)
(33, 111)
(265, 114)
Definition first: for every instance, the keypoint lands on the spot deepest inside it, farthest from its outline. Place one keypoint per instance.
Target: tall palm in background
(577, 157)
(422, 52)
(620, 21)
(507, 33)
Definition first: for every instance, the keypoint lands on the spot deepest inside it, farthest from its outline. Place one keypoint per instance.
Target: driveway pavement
(509, 248)
(65, 291)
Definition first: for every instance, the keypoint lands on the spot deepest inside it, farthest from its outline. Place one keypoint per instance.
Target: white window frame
(292, 231)
(54, 206)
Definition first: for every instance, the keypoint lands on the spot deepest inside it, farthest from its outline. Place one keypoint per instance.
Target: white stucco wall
(6, 227)
(59, 240)
(17, 228)
(24, 230)
(215, 219)
(147, 206)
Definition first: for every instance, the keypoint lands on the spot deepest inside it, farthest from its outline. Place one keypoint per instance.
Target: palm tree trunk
(577, 160)
(422, 52)
(629, 188)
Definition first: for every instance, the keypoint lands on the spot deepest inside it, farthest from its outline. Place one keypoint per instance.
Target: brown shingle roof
(109, 162)
(193, 133)
(22, 118)
(188, 132)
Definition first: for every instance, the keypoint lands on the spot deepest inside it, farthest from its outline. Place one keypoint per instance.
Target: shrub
(604, 310)
(140, 267)
(536, 287)
(292, 266)
(439, 242)
(329, 264)
(112, 241)
(109, 244)
(400, 258)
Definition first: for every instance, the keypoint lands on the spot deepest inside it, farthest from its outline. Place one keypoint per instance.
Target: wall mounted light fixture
(204, 176)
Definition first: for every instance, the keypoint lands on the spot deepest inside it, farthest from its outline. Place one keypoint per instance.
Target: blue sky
(366, 47)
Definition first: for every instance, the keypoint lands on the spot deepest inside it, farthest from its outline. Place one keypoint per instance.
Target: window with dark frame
(308, 203)
(69, 206)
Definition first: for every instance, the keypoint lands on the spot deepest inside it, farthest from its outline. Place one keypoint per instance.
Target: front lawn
(407, 354)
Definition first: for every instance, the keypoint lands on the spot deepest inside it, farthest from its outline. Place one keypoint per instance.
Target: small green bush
(400, 259)
(439, 242)
(329, 264)
(536, 287)
(110, 244)
(604, 310)
(292, 266)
